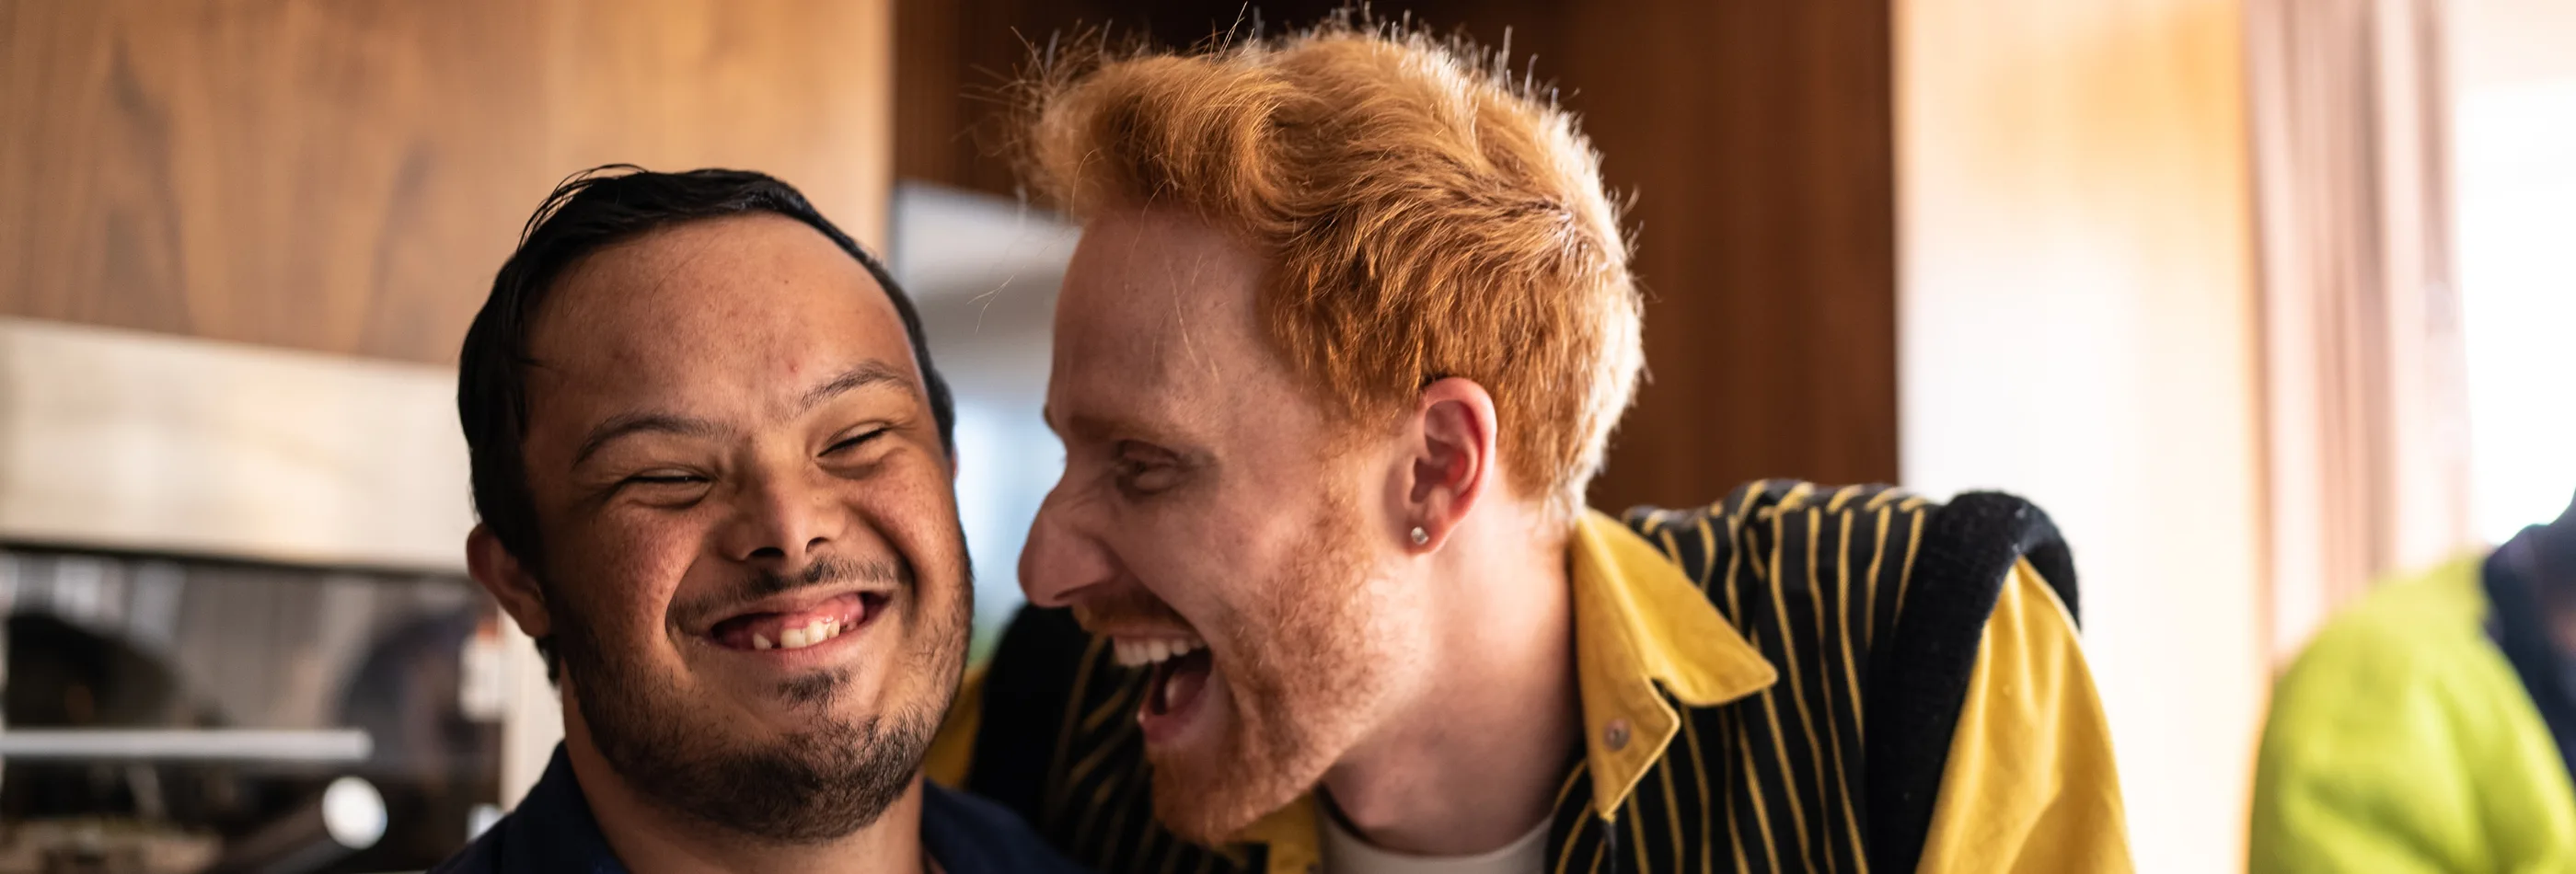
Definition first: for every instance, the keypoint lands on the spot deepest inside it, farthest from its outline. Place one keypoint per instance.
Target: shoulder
(1766, 531)
(483, 856)
(968, 835)
(1864, 541)
(1885, 587)
(2410, 640)
(2440, 608)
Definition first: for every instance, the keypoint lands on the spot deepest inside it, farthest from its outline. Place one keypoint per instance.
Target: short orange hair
(1423, 215)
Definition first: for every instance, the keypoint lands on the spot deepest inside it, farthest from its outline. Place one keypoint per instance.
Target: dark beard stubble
(806, 788)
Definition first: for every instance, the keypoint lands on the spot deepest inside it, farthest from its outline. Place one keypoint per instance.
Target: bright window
(2516, 178)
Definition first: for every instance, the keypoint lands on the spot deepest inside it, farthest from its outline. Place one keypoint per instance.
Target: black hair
(589, 211)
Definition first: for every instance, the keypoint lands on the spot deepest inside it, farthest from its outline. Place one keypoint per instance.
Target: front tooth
(793, 638)
(758, 641)
(1163, 650)
(818, 631)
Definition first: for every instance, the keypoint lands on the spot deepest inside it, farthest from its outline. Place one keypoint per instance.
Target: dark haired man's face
(753, 569)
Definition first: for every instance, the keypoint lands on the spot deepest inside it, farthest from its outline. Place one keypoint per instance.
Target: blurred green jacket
(2403, 741)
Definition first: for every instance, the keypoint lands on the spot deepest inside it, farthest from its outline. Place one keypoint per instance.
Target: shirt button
(1615, 735)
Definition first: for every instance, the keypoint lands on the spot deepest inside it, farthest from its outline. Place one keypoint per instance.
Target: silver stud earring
(1420, 536)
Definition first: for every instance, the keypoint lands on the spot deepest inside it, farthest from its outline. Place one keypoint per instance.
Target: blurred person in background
(1344, 339)
(712, 463)
(2430, 727)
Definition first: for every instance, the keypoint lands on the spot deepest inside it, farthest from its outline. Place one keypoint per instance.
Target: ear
(501, 574)
(1451, 439)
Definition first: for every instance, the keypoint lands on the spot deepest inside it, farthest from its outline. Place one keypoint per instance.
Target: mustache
(1130, 609)
(821, 572)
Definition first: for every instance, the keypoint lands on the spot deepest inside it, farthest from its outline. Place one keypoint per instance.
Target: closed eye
(855, 441)
(1142, 470)
(666, 487)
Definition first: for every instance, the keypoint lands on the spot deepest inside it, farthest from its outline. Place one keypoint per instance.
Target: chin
(1209, 792)
(1212, 806)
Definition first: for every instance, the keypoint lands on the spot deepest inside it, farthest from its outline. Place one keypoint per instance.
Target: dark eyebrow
(640, 423)
(866, 374)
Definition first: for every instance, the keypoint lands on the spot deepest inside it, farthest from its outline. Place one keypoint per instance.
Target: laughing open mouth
(800, 626)
(1181, 667)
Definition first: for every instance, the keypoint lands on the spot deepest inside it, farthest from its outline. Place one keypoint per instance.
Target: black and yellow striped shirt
(1793, 679)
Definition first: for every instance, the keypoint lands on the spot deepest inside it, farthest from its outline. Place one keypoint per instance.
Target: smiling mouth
(804, 626)
(1181, 667)
(1178, 681)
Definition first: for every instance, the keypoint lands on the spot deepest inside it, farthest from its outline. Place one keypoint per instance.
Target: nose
(1059, 560)
(783, 522)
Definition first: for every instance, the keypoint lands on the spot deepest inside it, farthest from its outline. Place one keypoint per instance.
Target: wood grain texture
(345, 177)
(1756, 141)
(1753, 138)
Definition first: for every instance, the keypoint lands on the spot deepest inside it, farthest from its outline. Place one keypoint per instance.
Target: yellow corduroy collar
(1638, 622)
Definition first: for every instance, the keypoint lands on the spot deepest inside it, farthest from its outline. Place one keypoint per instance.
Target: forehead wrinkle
(1190, 282)
(1174, 279)
(686, 255)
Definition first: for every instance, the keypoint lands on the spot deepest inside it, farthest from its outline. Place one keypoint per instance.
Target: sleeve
(2029, 784)
(2358, 769)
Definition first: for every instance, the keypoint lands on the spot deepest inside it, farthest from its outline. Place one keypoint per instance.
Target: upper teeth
(1138, 652)
(813, 633)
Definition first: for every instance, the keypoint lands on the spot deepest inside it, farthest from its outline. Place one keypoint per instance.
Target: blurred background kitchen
(2262, 299)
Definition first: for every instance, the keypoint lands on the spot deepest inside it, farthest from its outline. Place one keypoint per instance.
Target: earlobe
(1453, 461)
(500, 573)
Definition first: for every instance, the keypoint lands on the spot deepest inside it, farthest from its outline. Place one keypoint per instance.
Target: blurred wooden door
(1755, 139)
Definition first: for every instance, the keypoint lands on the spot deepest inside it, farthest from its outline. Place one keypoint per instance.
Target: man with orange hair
(1343, 341)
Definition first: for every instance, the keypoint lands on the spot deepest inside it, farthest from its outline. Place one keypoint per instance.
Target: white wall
(2078, 325)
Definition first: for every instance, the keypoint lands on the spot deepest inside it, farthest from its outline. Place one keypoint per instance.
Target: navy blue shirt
(2519, 625)
(552, 831)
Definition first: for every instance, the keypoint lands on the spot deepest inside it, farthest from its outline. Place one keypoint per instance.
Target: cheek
(1220, 571)
(914, 511)
(630, 564)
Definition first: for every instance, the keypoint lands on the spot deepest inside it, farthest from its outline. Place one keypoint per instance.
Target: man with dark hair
(712, 461)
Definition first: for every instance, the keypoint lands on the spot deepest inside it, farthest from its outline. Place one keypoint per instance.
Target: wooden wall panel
(345, 177)
(1754, 138)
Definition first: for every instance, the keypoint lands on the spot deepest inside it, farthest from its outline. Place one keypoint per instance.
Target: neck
(649, 839)
(1501, 715)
